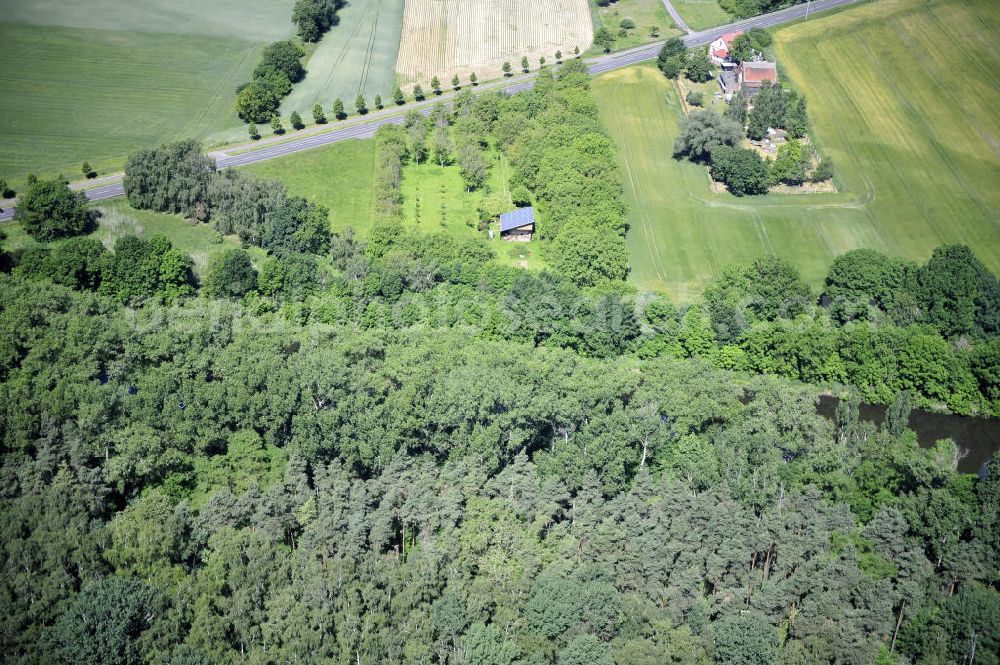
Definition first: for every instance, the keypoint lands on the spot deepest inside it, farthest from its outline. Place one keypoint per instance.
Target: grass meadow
(915, 141)
(340, 176)
(117, 219)
(357, 56)
(94, 81)
(702, 14)
(644, 13)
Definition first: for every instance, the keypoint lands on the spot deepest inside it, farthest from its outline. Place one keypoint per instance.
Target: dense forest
(399, 449)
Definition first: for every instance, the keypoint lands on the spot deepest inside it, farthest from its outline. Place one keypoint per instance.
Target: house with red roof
(718, 50)
(751, 75)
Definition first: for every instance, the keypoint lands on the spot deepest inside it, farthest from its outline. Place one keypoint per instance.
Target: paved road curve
(599, 65)
(675, 15)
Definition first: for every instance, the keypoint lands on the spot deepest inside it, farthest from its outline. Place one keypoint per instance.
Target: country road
(598, 65)
(676, 16)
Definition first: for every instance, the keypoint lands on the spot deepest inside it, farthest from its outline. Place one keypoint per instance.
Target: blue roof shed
(516, 219)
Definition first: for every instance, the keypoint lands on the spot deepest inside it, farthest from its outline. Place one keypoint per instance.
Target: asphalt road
(598, 65)
(675, 15)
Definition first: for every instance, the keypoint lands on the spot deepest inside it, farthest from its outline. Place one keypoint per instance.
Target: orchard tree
(318, 116)
(49, 210)
(296, 120)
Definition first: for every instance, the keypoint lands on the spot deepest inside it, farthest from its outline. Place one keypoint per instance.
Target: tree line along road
(598, 65)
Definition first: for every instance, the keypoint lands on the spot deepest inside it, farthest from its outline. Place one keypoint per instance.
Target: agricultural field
(645, 14)
(356, 57)
(340, 176)
(915, 168)
(447, 37)
(110, 76)
(702, 14)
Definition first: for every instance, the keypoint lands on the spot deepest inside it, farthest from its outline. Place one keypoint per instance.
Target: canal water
(978, 439)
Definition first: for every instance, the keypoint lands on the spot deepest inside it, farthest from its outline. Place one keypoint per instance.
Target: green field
(96, 80)
(339, 176)
(358, 56)
(645, 13)
(117, 219)
(702, 14)
(916, 143)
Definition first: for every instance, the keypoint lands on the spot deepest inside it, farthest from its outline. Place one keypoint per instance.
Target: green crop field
(94, 81)
(339, 176)
(915, 140)
(702, 14)
(358, 56)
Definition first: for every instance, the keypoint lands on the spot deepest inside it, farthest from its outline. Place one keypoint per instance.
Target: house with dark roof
(752, 74)
(518, 225)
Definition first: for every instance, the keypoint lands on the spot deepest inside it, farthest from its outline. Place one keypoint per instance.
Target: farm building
(751, 75)
(518, 225)
(728, 83)
(718, 50)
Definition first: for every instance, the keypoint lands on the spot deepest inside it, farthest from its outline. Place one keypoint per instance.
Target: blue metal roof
(516, 218)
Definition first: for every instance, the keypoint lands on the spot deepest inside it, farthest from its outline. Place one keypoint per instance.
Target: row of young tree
(203, 483)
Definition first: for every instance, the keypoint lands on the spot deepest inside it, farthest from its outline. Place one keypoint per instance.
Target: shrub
(49, 210)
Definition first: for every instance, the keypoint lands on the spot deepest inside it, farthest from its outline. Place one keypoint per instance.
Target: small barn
(517, 225)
